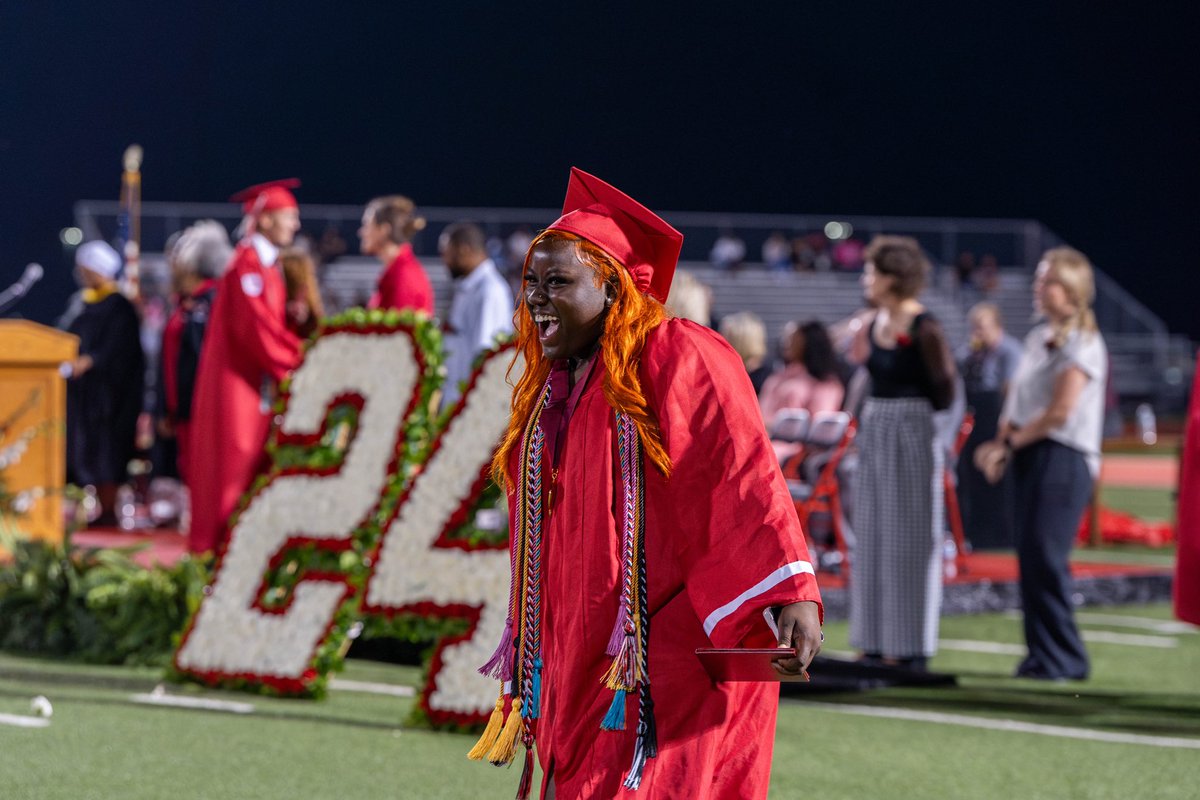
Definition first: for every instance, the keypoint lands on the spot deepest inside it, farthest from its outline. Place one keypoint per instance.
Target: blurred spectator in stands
(987, 275)
(104, 382)
(964, 270)
(330, 247)
(803, 255)
(388, 225)
(808, 377)
(846, 335)
(747, 335)
(728, 252)
(777, 252)
(987, 364)
(481, 307)
(818, 258)
(848, 255)
(690, 299)
(964, 277)
(197, 259)
(1050, 431)
(304, 307)
(895, 587)
(516, 246)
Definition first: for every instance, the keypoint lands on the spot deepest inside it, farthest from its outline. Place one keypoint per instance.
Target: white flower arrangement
(415, 569)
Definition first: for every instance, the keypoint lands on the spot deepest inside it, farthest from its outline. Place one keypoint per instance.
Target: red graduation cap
(269, 196)
(624, 228)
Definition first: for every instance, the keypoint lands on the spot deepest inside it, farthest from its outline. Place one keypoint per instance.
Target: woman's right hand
(991, 458)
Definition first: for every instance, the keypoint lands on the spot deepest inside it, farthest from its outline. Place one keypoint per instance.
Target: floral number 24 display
(374, 513)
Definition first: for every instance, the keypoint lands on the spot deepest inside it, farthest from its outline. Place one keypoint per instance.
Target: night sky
(1084, 120)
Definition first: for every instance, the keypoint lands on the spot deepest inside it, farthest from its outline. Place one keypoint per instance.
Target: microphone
(32, 274)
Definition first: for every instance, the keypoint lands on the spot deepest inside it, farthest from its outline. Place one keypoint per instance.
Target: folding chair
(790, 425)
(788, 432)
(950, 494)
(829, 437)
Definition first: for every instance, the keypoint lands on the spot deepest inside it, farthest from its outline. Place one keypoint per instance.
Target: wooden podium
(33, 422)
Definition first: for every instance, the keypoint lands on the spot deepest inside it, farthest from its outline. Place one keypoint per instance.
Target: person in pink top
(808, 378)
(388, 225)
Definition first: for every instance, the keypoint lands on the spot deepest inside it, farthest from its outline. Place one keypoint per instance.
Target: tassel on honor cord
(535, 693)
(506, 745)
(614, 720)
(526, 784)
(491, 733)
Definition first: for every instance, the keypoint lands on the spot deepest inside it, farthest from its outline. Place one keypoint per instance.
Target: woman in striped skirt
(896, 566)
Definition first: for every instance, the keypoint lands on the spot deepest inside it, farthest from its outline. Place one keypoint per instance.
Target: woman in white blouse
(1050, 432)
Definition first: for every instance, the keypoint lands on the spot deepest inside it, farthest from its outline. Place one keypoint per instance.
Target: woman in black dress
(896, 566)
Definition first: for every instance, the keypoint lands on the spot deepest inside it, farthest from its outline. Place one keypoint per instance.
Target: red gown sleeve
(738, 539)
(257, 325)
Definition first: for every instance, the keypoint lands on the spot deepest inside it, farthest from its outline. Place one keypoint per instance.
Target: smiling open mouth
(547, 325)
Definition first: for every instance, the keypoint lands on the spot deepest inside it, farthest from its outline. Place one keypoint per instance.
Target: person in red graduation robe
(1187, 564)
(247, 351)
(388, 225)
(723, 550)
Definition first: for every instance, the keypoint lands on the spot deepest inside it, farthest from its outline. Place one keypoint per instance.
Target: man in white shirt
(481, 308)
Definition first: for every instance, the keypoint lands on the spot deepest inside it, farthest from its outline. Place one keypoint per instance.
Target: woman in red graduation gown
(247, 351)
(649, 519)
(388, 225)
(1187, 569)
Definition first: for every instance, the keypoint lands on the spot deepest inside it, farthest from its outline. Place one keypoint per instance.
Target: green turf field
(1146, 682)
(1153, 505)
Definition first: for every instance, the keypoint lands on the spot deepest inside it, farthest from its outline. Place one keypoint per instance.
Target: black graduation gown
(103, 405)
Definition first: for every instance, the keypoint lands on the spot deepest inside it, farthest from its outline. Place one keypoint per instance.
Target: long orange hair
(630, 319)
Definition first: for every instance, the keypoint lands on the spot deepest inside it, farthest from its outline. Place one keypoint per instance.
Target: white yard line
(974, 646)
(1130, 639)
(18, 721)
(367, 687)
(1169, 626)
(843, 655)
(202, 703)
(1098, 637)
(1011, 725)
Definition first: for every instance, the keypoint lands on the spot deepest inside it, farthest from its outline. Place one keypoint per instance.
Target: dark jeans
(1053, 488)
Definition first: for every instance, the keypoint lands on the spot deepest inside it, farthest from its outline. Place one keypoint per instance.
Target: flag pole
(131, 211)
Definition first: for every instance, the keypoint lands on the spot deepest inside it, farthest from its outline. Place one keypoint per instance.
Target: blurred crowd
(875, 406)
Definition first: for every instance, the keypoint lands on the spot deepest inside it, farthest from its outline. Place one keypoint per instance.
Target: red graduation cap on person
(624, 228)
(269, 196)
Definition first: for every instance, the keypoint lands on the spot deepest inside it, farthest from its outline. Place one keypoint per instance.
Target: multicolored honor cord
(518, 660)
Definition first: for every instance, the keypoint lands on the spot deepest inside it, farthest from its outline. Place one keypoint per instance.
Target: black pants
(1053, 489)
(987, 510)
